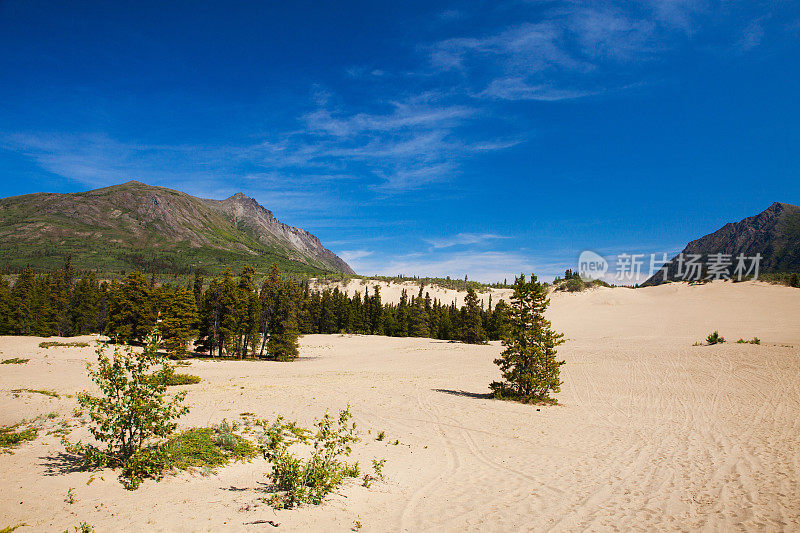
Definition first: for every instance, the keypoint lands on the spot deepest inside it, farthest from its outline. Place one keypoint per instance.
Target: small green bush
(183, 379)
(295, 481)
(754, 340)
(208, 447)
(381, 436)
(131, 412)
(45, 392)
(715, 338)
(14, 361)
(11, 437)
(54, 344)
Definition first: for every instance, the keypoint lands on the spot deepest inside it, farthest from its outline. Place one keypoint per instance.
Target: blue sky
(427, 138)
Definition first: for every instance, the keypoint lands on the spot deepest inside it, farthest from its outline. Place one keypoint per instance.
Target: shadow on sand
(476, 395)
(61, 463)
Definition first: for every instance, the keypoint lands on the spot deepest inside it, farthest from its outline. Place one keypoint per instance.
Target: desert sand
(652, 433)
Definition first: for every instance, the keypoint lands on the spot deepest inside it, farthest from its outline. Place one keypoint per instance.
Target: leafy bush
(132, 411)
(10, 436)
(296, 481)
(183, 379)
(754, 340)
(14, 361)
(715, 338)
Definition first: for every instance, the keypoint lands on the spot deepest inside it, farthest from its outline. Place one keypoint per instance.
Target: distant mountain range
(138, 226)
(774, 233)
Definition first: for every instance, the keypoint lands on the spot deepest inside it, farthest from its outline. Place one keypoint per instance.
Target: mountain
(774, 233)
(135, 225)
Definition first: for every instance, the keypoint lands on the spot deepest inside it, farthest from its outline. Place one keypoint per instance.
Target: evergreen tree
(6, 308)
(132, 310)
(472, 331)
(86, 306)
(21, 302)
(178, 318)
(210, 313)
(283, 344)
(528, 363)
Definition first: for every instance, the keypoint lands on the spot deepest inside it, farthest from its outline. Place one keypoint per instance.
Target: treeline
(230, 315)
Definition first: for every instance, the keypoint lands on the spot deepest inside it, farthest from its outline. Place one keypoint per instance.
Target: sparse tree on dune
(529, 365)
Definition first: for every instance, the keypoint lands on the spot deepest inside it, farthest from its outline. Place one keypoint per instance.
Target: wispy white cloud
(463, 239)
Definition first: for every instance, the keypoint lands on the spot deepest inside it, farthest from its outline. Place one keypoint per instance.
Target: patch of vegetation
(183, 379)
(208, 447)
(14, 361)
(56, 344)
(45, 392)
(715, 338)
(754, 340)
(83, 527)
(790, 279)
(377, 473)
(11, 437)
(132, 411)
(10, 529)
(296, 481)
(572, 282)
(381, 436)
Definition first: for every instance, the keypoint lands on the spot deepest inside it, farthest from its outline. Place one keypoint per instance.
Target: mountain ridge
(774, 233)
(135, 225)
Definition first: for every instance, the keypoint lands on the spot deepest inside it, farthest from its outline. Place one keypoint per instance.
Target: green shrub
(14, 361)
(296, 481)
(45, 392)
(715, 338)
(754, 340)
(11, 437)
(381, 436)
(208, 447)
(131, 412)
(183, 379)
(53, 344)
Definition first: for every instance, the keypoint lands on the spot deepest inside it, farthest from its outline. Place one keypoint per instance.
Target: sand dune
(652, 433)
(391, 292)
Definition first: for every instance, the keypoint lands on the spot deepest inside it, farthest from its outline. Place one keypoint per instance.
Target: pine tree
(529, 366)
(177, 319)
(132, 310)
(283, 344)
(210, 313)
(6, 308)
(472, 331)
(86, 300)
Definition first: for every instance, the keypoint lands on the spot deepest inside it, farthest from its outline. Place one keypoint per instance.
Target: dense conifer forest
(229, 315)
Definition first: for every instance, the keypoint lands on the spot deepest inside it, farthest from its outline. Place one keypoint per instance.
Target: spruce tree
(472, 331)
(132, 313)
(528, 363)
(283, 344)
(177, 319)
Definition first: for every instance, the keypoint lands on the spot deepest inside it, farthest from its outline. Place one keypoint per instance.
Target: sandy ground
(652, 433)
